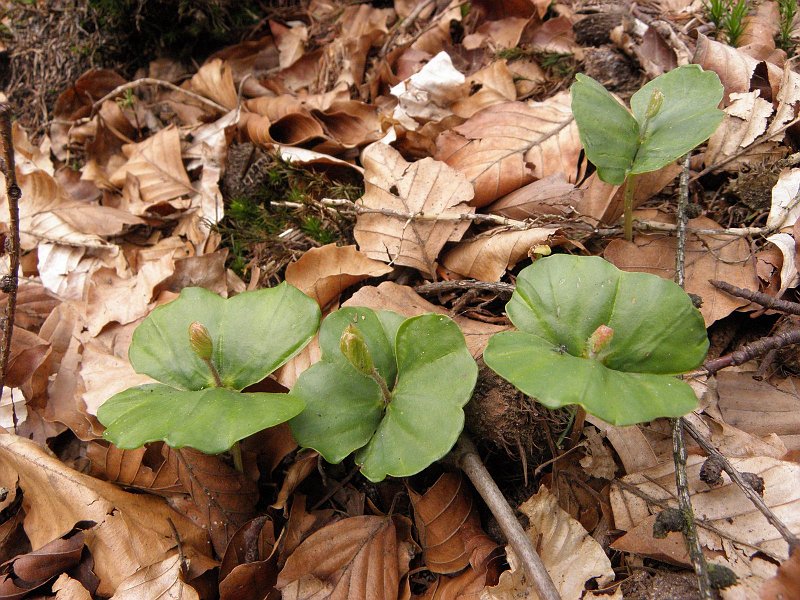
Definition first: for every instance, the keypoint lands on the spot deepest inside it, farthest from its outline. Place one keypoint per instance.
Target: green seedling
(733, 21)
(205, 350)
(607, 340)
(669, 116)
(390, 389)
(788, 12)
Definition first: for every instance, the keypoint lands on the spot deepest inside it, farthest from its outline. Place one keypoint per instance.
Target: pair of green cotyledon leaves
(587, 334)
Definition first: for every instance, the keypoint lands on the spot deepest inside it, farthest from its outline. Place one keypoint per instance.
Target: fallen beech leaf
(67, 588)
(552, 195)
(156, 166)
(146, 468)
(405, 301)
(761, 408)
(487, 256)
(34, 304)
(786, 583)
(426, 186)
(249, 568)
(707, 257)
(324, 273)
(784, 210)
(506, 146)
(630, 444)
(725, 506)
(570, 555)
(162, 579)
(449, 527)
(598, 461)
(132, 530)
(360, 558)
(304, 464)
(214, 80)
(790, 276)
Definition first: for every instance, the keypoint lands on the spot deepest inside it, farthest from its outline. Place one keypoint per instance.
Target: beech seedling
(669, 116)
(607, 340)
(389, 389)
(205, 350)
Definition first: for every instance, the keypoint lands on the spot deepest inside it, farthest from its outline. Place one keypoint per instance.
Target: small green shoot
(607, 340)
(390, 389)
(669, 116)
(788, 14)
(733, 22)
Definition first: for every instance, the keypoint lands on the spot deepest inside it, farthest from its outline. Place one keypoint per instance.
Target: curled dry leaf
(722, 257)
(786, 583)
(132, 530)
(249, 568)
(427, 187)
(487, 256)
(784, 208)
(162, 579)
(145, 468)
(506, 146)
(214, 80)
(324, 273)
(787, 245)
(360, 558)
(405, 301)
(449, 527)
(570, 555)
(548, 196)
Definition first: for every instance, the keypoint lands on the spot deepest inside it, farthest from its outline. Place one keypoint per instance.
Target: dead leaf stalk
(736, 476)
(678, 444)
(10, 282)
(466, 457)
(765, 300)
(439, 287)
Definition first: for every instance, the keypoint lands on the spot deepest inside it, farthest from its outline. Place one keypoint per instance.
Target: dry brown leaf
(722, 257)
(449, 527)
(487, 256)
(144, 468)
(405, 301)
(221, 499)
(359, 558)
(162, 580)
(324, 273)
(426, 186)
(156, 167)
(553, 195)
(249, 568)
(132, 530)
(786, 583)
(304, 464)
(632, 446)
(724, 506)
(214, 80)
(67, 588)
(508, 145)
(555, 35)
(761, 26)
(598, 461)
(570, 555)
(760, 407)
(495, 84)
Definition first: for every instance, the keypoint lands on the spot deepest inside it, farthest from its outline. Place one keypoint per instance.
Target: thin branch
(466, 457)
(150, 81)
(403, 26)
(759, 140)
(753, 350)
(10, 282)
(765, 300)
(438, 287)
(678, 444)
(736, 476)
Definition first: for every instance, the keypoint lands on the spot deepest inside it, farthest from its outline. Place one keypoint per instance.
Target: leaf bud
(354, 348)
(200, 340)
(656, 100)
(600, 339)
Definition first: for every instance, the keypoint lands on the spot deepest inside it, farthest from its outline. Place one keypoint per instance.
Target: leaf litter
(409, 158)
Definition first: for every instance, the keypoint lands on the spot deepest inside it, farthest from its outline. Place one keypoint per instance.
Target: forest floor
(411, 156)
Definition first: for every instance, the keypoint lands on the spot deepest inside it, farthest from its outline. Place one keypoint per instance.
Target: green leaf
(252, 334)
(559, 304)
(182, 343)
(210, 420)
(608, 132)
(688, 115)
(426, 366)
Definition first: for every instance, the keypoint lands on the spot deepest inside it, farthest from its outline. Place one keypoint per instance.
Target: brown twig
(403, 26)
(755, 498)
(754, 350)
(438, 287)
(466, 457)
(10, 282)
(765, 300)
(150, 81)
(678, 444)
